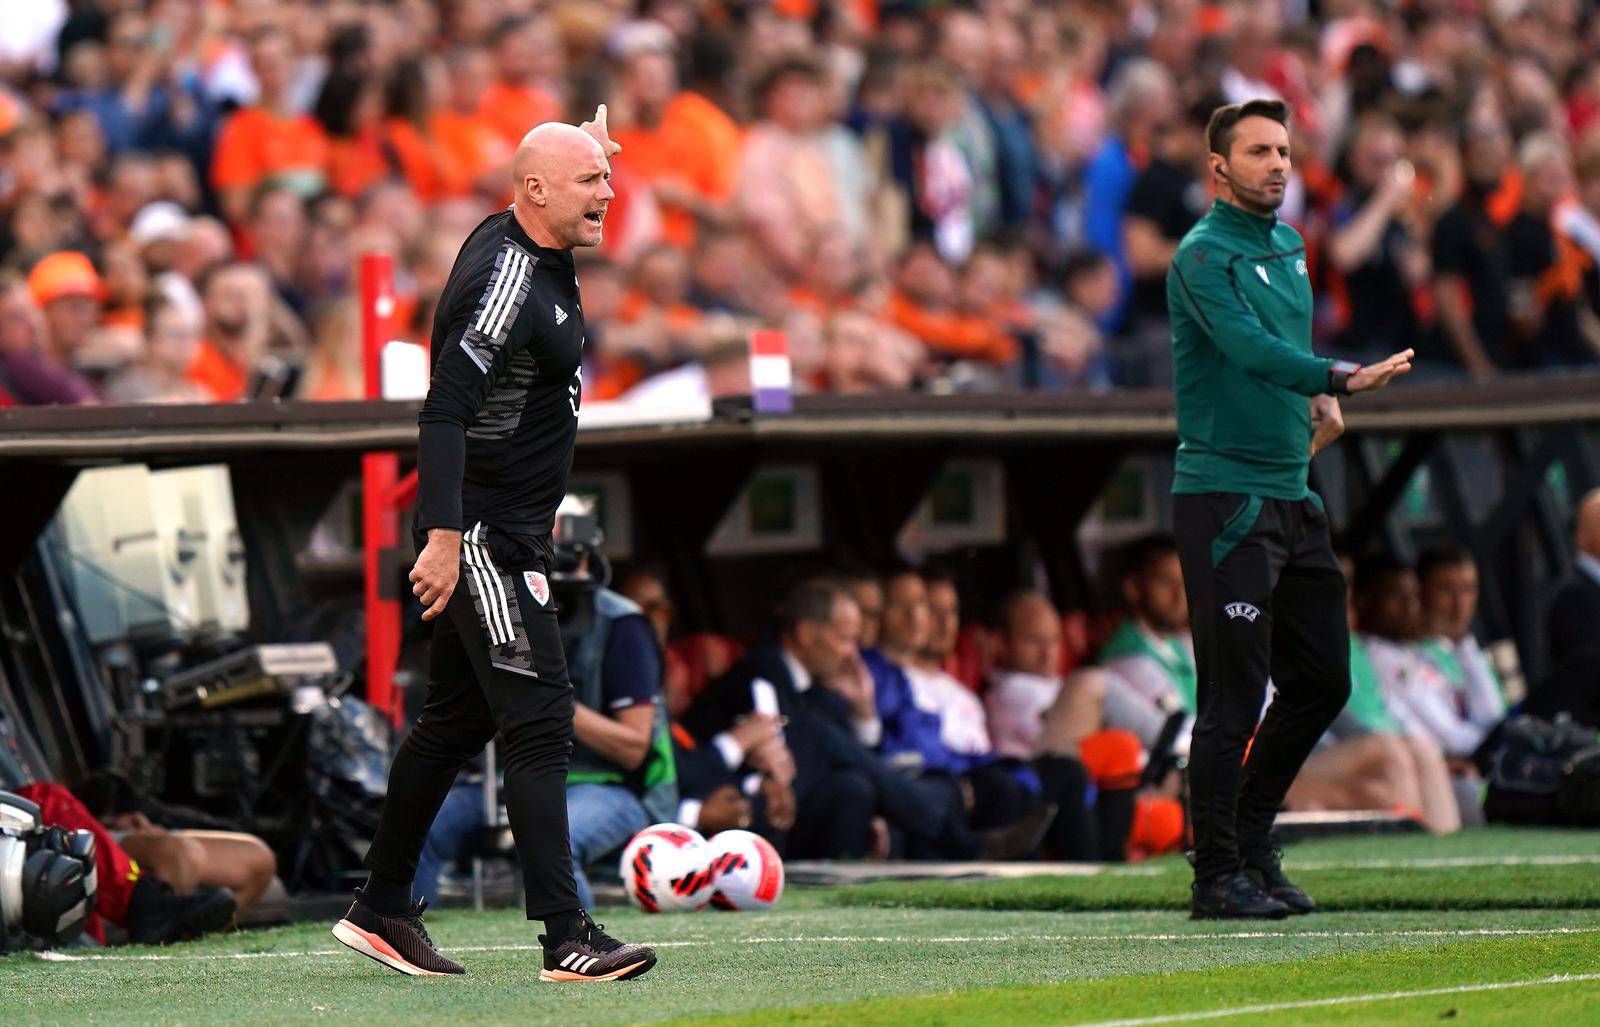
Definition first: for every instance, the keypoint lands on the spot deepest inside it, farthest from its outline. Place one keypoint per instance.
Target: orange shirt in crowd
(695, 143)
(952, 335)
(356, 164)
(515, 110)
(804, 297)
(256, 144)
(472, 142)
(217, 374)
(422, 162)
(636, 306)
(1502, 204)
(611, 378)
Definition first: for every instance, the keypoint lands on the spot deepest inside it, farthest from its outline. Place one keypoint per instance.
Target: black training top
(501, 417)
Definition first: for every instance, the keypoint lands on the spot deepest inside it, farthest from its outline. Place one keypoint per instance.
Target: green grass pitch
(1485, 927)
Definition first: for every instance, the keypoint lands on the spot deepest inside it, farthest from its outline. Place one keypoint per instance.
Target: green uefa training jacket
(1240, 305)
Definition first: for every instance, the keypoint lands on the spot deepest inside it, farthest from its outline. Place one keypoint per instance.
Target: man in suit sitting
(1574, 629)
(835, 797)
(812, 678)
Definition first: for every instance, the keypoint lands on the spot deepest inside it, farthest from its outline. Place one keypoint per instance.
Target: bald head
(552, 146)
(562, 181)
(1587, 536)
(1032, 635)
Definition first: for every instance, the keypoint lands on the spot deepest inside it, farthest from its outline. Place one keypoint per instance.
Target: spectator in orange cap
(29, 373)
(271, 140)
(68, 289)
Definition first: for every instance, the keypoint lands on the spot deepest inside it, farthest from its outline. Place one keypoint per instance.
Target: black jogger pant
(1266, 597)
(496, 666)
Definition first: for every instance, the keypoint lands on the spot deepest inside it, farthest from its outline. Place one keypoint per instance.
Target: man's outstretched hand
(1376, 376)
(597, 128)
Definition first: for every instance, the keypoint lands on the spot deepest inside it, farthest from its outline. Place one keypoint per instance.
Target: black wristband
(1339, 376)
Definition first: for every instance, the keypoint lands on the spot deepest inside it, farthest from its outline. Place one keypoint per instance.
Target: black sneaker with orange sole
(593, 955)
(400, 942)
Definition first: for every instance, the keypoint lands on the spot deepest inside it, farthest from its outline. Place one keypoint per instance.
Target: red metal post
(379, 474)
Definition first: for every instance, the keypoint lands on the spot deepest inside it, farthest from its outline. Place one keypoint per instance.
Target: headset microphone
(1239, 186)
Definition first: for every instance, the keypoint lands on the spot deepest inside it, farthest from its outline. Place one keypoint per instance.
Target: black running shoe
(593, 955)
(1265, 868)
(1234, 897)
(157, 915)
(398, 942)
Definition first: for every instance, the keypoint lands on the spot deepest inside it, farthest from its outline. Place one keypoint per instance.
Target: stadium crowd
(934, 195)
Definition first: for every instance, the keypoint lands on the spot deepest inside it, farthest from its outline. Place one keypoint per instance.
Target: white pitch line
(1441, 863)
(1450, 862)
(1344, 1000)
(815, 939)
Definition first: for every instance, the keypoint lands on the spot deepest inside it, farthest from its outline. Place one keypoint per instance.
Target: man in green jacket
(1266, 596)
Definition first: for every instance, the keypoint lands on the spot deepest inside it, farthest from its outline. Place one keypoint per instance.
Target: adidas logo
(561, 315)
(1245, 610)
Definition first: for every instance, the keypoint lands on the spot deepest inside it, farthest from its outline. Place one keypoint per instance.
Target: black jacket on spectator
(732, 696)
(701, 770)
(834, 773)
(1574, 622)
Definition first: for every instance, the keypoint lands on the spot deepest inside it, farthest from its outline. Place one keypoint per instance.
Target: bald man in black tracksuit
(495, 444)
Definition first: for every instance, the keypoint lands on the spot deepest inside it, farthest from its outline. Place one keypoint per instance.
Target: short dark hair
(1374, 572)
(810, 601)
(1082, 261)
(1449, 554)
(1219, 130)
(1141, 554)
(799, 65)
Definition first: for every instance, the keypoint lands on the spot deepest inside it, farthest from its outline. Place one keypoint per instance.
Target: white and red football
(666, 868)
(746, 871)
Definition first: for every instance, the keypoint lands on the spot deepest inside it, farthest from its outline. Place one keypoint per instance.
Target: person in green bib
(1266, 596)
(1148, 658)
(1474, 700)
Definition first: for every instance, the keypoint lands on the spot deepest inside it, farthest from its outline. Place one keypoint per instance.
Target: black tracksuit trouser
(1266, 597)
(496, 665)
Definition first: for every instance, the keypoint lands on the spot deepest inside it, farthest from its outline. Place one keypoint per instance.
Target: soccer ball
(746, 870)
(666, 868)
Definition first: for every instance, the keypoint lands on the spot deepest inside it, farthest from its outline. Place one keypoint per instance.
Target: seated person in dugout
(1055, 723)
(1421, 782)
(1389, 611)
(1474, 698)
(933, 728)
(1062, 783)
